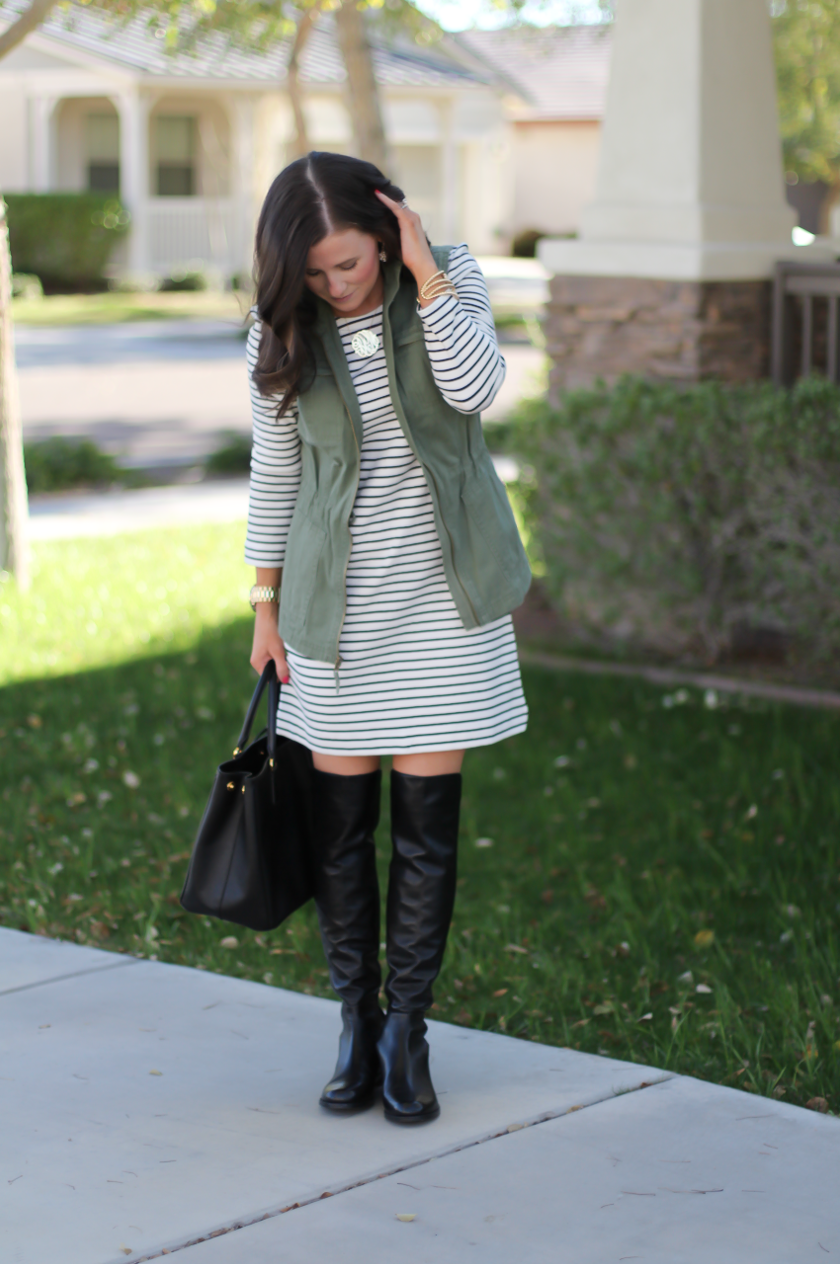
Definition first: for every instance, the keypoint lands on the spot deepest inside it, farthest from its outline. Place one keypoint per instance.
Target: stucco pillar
(134, 108)
(243, 114)
(43, 147)
(670, 274)
(449, 173)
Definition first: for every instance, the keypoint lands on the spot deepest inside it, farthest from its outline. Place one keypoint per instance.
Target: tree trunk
(14, 548)
(362, 91)
(14, 542)
(300, 144)
(28, 21)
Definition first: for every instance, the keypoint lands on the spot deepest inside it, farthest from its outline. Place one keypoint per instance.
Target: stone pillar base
(667, 331)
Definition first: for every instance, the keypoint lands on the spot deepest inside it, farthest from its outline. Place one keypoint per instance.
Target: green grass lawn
(108, 308)
(647, 875)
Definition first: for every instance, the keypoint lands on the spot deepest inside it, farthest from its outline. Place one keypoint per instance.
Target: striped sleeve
(461, 339)
(275, 472)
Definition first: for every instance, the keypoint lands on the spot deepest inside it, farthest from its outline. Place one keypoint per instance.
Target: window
(175, 152)
(102, 150)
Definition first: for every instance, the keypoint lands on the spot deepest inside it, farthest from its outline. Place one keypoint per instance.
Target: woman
(373, 493)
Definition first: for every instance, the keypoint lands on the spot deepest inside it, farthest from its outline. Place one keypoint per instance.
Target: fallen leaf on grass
(516, 948)
(405, 1217)
(704, 938)
(501, 992)
(817, 1103)
(580, 1023)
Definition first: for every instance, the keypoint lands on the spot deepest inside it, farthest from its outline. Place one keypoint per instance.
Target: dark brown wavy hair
(312, 197)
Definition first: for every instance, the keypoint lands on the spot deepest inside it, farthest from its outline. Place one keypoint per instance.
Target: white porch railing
(190, 231)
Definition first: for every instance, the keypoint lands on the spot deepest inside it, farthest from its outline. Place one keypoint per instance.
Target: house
(490, 132)
(554, 90)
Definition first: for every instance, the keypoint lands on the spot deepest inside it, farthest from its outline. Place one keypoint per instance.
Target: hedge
(64, 238)
(56, 464)
(691, 523)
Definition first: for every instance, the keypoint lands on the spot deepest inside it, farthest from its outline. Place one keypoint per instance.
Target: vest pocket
(301, 568)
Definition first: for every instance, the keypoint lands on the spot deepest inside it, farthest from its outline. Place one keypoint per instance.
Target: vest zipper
(347, 563)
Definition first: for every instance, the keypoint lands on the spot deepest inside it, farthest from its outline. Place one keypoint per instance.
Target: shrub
(234, 457)
(64, 238)
(524, 244)
(689, 522)
(57, 464)
(26, 285)
(183, 281)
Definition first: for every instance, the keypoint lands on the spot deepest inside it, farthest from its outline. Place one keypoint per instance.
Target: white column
(449, 175)
(43, 147)
(690, 185)
(243, 179)
(133, 108)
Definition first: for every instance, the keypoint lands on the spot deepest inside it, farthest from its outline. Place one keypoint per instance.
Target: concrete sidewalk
(152, 1110)
(74, 515)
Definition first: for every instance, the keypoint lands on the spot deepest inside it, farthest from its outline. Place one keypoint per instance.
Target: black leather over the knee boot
(421, 895)
(347, 900)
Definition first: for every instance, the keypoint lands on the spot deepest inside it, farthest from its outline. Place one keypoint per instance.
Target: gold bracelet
(437, 285)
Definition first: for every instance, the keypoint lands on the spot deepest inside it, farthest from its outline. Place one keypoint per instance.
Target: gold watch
(261, 592)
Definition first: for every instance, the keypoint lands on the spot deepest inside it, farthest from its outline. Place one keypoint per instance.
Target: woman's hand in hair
(268, 642)
(416, 254)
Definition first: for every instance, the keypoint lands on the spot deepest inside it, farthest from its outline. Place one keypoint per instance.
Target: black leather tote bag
(252, 859)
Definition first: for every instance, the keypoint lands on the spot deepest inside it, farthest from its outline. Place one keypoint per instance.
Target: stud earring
(383, 255)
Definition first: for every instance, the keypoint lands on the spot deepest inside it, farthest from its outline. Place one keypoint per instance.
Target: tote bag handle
(269, 679)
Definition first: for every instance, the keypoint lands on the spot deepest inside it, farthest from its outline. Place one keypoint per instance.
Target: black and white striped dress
(412, 678)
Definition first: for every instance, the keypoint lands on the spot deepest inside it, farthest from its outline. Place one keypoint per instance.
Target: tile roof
(137, 46)
(557, 72)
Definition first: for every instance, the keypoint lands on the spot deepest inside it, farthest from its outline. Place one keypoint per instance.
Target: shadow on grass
(640, 875)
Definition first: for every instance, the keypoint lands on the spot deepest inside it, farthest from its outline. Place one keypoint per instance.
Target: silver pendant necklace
(365, 343)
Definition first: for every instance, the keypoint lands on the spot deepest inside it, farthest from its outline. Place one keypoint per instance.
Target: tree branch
(28, 21)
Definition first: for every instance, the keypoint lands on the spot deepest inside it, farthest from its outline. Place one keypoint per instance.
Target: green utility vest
(485, 564)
